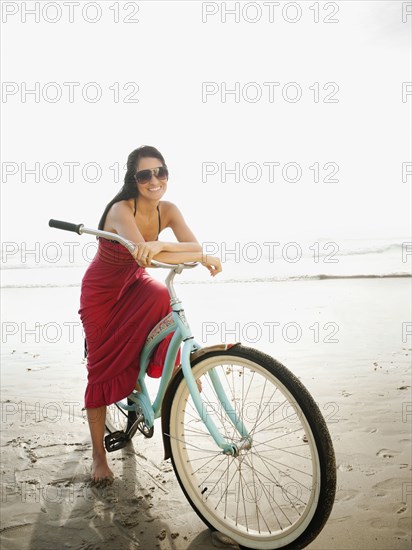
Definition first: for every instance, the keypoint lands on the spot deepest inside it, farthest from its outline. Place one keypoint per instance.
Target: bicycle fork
(184, 333)
(228, 448)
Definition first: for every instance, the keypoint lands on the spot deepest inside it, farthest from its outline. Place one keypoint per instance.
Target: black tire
(195, 472)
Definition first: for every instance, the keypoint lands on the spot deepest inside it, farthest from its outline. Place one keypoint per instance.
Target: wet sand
(353, 354)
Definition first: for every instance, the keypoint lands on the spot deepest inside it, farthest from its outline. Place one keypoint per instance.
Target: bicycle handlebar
(66, 226)
(80, 229)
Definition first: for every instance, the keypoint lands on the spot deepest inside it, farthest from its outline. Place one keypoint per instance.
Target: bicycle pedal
(115, 441)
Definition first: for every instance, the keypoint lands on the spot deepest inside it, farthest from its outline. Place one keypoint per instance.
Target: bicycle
(251, 449)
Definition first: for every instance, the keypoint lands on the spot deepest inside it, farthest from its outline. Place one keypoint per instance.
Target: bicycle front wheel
(279, 491)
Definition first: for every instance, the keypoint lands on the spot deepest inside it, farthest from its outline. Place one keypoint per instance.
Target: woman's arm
(210, 262)
(173, 218)
(121, 220)
(187, 249)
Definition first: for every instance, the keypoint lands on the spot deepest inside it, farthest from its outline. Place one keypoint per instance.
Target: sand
(362, 383)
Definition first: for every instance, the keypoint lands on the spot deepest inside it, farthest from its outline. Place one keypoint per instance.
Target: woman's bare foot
(101, 473)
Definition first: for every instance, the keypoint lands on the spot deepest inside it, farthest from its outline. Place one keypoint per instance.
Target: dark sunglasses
(144, 176)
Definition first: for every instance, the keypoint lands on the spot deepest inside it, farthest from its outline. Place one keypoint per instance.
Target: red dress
(120, 303)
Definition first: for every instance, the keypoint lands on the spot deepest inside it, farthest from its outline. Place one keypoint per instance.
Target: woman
(120, 303)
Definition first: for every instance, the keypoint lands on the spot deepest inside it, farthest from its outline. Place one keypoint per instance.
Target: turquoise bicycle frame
(176, 322)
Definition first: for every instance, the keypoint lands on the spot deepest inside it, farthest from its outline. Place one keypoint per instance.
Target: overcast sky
(351, 117)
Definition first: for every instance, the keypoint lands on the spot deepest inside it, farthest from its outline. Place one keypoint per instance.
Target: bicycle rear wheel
(279, 492)
(119, 419)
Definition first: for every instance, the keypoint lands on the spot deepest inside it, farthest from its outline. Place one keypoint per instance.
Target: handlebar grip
(66, 226)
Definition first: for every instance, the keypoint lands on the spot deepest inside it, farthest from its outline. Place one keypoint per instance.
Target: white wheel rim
(259, 514)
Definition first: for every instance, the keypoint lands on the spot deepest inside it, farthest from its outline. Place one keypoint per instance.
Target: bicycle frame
(175, 322)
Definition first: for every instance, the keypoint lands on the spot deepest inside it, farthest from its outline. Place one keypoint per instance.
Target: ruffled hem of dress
(108, 392)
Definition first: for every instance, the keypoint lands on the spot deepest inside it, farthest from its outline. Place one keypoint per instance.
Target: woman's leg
(100, 468)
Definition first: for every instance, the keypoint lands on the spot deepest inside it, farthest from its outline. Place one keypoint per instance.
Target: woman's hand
(212, 263)
(145, 251)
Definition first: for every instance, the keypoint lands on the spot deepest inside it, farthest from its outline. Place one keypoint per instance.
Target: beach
(349, 342)
(285, 130)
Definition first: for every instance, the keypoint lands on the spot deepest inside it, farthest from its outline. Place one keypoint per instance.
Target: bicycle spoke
(266, 489)
(269, 459)
(279, 437)
(284, 491)
(258, 510)
(223, 473)
(283, 449)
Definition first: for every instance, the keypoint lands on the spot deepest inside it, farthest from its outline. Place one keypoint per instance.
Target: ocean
(63, 264)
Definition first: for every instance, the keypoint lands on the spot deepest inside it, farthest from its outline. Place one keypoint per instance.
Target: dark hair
(129, 189)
